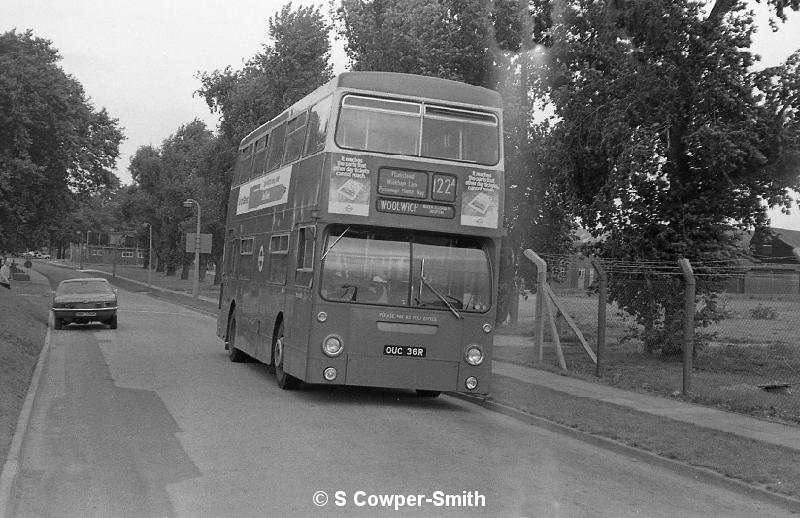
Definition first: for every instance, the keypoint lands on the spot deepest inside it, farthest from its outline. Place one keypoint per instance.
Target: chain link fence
(745, 341)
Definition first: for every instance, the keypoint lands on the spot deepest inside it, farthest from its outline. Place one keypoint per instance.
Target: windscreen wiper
(334, 243)
(441, 297)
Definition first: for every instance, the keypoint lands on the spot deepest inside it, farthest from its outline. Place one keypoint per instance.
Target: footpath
(507, 401)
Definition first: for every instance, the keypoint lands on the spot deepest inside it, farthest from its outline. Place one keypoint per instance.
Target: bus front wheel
(234, 354)
(285, 381)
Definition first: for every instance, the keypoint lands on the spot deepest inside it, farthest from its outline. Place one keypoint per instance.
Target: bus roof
(392, 83)
(420, 86)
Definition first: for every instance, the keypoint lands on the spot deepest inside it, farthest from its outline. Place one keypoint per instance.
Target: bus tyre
(113, 322)
(56, 323)
(234, 354)
(285, 381)
(428, 393)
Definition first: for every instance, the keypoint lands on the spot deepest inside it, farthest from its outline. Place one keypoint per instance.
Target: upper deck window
(296, 132)
(411, 128)
(275, 152)
(380, 125)
(318, 126)
(460, 135)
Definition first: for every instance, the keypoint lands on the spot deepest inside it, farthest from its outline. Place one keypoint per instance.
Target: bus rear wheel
(285, 381)
(234, 354)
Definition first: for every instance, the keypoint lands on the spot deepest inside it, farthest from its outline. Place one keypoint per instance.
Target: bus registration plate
(404, 350)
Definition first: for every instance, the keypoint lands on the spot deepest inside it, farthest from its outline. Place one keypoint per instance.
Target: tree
(282, 73)
(294, 65)
(167, 176)
(668, 141)
(451, 39)
(53, 144)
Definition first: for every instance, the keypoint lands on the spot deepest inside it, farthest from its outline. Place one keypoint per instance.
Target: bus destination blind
(415, 208)
(408, 184)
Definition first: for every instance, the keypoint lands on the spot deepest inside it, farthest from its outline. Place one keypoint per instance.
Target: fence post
(513, 306)
(796, 252)
(602, 301)
(538, 323)
(688, 322)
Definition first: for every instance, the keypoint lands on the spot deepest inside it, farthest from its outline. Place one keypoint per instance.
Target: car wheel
(285, 381)
(428, 393)
(113, 322)
(234, 354)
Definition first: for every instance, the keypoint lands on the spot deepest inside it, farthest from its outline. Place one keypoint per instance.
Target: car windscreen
(84, 287)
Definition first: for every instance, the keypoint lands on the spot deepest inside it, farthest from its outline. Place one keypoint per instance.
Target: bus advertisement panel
(363, 236)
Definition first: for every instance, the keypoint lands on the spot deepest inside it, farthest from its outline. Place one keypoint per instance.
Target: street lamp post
(196, 281)
(150, 259)
(80, 252)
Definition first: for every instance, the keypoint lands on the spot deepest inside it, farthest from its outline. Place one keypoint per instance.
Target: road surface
(152, 420)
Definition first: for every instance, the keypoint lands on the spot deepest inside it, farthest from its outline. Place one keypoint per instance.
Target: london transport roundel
(260, 257)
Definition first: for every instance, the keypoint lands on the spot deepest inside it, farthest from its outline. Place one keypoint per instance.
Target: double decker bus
(363, 234)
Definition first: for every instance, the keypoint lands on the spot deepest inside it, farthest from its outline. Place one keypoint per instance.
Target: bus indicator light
(471, 383)
(322, 316)
(332, 346)
(474, 355)
(329, 373)
(487, 327)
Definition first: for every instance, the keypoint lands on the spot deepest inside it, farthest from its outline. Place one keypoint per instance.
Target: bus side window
(261, 156)
(279, 258)
(233, 253)
(305, 257)
(244, 164)
(318, 126)
(246, 261)
(276, 147)
(239, 173)
(295, 137)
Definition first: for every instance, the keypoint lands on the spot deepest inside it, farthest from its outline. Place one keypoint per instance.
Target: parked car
(84, 300)
(28, 254)
(44, 256)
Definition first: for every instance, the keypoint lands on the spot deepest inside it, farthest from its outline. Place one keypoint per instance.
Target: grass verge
(768, 466)
(24, 311)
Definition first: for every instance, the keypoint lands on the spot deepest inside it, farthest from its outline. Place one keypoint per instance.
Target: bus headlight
(329, 373)
(471, 383)
(332, 346)
(474, 355)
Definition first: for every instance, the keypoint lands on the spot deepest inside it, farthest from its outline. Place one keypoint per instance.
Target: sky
(140, 59)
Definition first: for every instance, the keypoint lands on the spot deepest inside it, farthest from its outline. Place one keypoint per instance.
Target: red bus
(363, 235)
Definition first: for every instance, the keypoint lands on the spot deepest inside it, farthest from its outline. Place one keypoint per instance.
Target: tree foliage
(295, 64)
(54, 145)
(451, 39)
(668, 140)
(165, 178)
(195, 163)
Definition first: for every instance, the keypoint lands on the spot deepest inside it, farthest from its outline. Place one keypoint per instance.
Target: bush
(762, 312)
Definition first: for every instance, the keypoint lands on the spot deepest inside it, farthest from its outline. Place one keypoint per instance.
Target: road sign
(205, 242)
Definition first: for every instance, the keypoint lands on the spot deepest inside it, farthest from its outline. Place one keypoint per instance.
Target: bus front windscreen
(394, 268)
